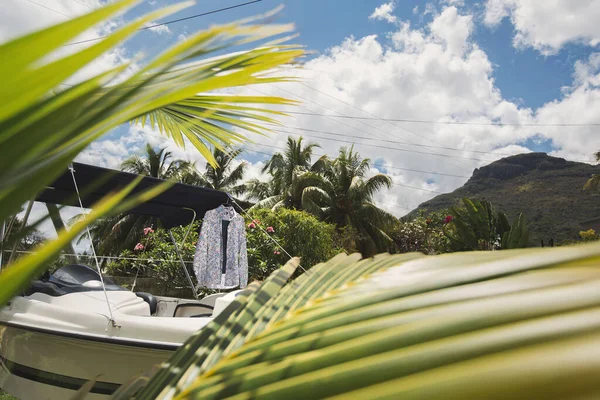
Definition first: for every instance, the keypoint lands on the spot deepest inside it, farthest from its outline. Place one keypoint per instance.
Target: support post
(25, 218)
(2, 232)
(187, 274)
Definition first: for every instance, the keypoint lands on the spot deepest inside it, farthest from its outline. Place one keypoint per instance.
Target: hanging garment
(221, 260)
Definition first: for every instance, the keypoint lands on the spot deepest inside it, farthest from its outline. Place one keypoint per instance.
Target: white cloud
(384, 12)
(159, 29)
(547, 26)
(19, 17)
(433, 73)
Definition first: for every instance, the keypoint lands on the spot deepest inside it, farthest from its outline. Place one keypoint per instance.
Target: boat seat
(150, 299)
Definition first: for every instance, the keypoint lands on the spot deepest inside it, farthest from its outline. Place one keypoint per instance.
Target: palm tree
(157, 164)
(113, 234)
(224, 176)
(594, 181)
(346, 199)
(291, 173)
(48, 116)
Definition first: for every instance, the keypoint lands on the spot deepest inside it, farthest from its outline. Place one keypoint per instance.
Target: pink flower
(138, 247)
(251, 225)
(148, 230)
(448, 219)
(255, 221)
(276, 252)
(270, 229)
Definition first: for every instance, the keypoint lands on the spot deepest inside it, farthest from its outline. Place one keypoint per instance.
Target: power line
(386, 166)
(432, 155)
(383, 147)
(173, 21)
(445, 122)
(393, 183)
(398, 142)
(49, 8)
(84, 4)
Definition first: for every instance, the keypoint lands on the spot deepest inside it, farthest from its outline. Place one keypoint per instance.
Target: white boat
(76, 326)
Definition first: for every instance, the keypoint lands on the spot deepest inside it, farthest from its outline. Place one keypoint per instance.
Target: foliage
(517, 236)
(155, 257)
(291, 173)
(589, 236)
(43, 125)
(25, 239)
(496, 325)
(555, 204)
(478, 226)
(424, 234)
(344, 197)
(264, 256)
(224, 176)
(302, 235)
(112, 235)
(299, 233)
(157, 164)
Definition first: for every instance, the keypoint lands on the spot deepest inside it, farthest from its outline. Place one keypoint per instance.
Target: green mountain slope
(549, 190)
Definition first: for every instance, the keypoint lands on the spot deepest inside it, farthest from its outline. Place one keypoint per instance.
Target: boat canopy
(178, 205)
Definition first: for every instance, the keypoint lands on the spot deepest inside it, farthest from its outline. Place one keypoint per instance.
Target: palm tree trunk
(60, 225)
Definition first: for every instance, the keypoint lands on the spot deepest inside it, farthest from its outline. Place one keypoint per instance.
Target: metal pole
(25, 218)
(187, 274)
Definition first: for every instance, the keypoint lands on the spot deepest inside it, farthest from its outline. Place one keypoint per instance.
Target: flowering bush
(423, 234)
(299, 233)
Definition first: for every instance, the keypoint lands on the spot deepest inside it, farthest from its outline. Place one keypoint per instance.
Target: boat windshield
(77, 274)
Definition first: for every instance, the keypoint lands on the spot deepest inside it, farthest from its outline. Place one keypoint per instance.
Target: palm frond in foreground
(517, 324)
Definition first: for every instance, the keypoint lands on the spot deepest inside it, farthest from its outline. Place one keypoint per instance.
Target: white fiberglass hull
(44, 366)
(51, 346)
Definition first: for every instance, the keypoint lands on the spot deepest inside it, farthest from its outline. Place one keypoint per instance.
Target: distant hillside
(548, 190)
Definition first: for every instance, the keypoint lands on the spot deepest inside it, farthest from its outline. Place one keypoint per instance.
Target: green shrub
(424, 234)
(298, 232)
(303, 235)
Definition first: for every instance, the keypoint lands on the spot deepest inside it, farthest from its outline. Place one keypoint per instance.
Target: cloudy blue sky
(529, 64)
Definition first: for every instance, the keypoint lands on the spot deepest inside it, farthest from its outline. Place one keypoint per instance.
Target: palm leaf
(60, 125)
(363, 329)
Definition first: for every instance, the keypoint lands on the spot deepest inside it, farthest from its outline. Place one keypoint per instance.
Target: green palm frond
(517, 324)
(82, 113)
(45, 124)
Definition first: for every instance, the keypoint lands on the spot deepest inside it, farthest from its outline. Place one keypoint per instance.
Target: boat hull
(43, 365)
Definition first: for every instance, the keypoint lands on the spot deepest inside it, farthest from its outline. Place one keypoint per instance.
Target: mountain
(548, 190)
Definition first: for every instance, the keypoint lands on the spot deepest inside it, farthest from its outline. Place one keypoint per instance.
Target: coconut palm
(345, 198)
(224, 176)
(291, 173)
(113, 234)
(157, 164)
(48, 116)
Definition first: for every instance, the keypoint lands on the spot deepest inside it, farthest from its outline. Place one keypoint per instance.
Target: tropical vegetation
(497, 325)
(335, 190)
(270, 237)
(478, 226)
(45, 124)
(516, 324)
